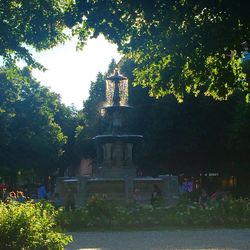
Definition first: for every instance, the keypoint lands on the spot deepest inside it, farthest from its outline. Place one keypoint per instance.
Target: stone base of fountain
(121, 190)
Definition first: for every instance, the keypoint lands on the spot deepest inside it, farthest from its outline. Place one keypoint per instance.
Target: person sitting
(20, 197)
(156, 196)
(11, 197)
(203, 199)
(137, 196)
(41, 192)
(57, 200)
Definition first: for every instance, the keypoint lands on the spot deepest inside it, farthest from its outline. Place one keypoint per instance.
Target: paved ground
(163, 240)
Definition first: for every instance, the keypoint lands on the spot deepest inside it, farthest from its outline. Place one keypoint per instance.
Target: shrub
(30, 225)
(100, 213)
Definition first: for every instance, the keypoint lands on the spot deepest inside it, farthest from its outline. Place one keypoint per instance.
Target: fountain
(114, 174)
(115, 146)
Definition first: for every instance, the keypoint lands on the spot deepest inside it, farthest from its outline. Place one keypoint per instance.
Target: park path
(230, 239)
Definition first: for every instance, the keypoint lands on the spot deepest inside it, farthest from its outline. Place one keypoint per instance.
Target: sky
(70, 72)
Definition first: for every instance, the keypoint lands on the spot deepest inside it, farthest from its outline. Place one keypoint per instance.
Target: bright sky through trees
(70, 72)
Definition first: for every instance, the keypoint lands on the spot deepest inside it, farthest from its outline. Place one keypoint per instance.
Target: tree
(33, 132)
(197, 136)
(179, 46)
(176, 43)
(30, 23)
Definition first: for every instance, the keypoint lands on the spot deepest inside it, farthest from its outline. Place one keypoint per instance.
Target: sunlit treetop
(179, 46)
(35, 23)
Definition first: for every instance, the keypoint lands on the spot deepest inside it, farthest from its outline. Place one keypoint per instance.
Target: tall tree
(32, 130)
(196, 136)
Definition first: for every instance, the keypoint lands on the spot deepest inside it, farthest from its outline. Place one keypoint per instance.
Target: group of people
(156, 196)
(13, 196)
(200, 195)
(23, 196)
(69, 200)
(39, 194)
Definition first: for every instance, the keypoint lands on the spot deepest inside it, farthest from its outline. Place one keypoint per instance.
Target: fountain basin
(119, 189)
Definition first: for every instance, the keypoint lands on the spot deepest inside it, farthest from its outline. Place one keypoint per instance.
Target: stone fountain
(114, 174)
(115, 146)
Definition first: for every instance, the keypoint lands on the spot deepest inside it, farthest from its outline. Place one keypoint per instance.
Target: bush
(97, 213)
(30, 225)
(101, 214)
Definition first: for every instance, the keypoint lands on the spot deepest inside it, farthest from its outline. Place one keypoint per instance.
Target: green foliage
(30, 226)
(34, 125)
(99, 213)
(207, 134)
(175, 43)
(34, 23)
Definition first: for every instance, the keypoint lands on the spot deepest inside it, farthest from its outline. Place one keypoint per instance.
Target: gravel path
(163, 240)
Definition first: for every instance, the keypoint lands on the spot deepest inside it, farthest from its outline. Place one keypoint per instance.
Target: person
(219, 195)
(70, 200)
(245, 60)
(11, 197)
(138, 172)
(57, 201)
(187, 186)
(203, 199)
(156, 195)
(20, 197)
(41, 192)
(49, 195)
(4, 194)
(136, 196)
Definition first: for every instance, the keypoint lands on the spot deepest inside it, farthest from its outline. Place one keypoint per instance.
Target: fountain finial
(116, 72)
(115, 80)
(116, 76)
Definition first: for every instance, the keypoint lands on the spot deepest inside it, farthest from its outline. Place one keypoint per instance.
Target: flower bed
(100, 214)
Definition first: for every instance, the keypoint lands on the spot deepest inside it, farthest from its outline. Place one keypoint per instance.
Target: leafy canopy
(179, 45)
(33, 133)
